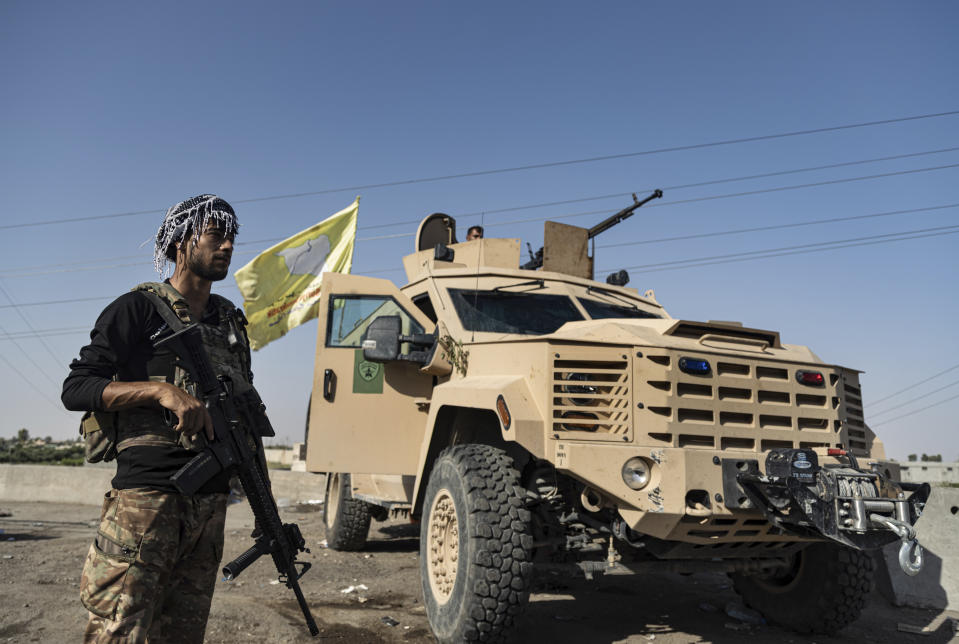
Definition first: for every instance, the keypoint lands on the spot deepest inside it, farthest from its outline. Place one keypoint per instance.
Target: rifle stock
(231, 449)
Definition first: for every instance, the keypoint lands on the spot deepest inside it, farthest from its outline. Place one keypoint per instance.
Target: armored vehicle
(536, 418)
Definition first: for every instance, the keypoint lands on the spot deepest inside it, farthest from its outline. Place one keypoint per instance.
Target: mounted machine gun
(565, 247)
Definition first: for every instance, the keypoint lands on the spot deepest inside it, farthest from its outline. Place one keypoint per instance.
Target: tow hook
(910, 553)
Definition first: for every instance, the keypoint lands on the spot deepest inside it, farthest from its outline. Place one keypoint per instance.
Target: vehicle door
(365, 417)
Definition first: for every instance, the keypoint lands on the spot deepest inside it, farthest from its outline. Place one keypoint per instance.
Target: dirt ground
(43, 545)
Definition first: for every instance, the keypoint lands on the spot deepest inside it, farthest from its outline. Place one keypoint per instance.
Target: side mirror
(381, 342)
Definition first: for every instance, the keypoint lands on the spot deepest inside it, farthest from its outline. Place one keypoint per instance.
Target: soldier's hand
(192, 414)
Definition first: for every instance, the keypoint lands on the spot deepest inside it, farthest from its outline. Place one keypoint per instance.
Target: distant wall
(937, 584)
(87, 485)
(926, 472)
(278, 455)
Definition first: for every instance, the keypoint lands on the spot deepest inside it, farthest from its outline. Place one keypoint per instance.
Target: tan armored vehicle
(533, 417)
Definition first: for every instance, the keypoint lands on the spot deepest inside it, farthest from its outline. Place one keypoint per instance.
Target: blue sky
(116, 108)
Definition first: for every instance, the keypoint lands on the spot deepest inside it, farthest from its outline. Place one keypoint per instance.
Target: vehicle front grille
(744, 404)
(591, 396)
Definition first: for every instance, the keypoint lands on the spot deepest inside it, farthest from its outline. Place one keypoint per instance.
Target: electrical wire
(45, 333)
(912, 400)
(913, 386)
(70, 301)
(752, 255)
(914, 412)
(794, 247)
(6, 335)
(12, 273)
(736, 194)
(699, 184)
(32, 386)
(535, 166)
(812, 222)
(26, 321)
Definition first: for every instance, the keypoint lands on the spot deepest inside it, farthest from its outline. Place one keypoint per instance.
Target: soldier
(151, 570)
(474, 232)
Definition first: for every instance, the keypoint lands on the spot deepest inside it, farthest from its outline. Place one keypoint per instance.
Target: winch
(859, 508)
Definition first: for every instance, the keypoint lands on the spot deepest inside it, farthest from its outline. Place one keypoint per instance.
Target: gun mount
(565, 248)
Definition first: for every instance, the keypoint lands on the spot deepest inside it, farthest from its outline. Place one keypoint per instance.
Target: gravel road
(43, 545)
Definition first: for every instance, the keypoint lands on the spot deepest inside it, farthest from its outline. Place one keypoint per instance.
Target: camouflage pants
(149, 575)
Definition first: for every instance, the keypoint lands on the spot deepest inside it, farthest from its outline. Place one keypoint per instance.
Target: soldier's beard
(208, 271)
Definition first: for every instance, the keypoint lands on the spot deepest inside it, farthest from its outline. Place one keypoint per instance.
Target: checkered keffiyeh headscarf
(194, 214)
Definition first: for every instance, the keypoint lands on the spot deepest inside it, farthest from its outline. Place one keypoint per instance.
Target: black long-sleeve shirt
(121, 346)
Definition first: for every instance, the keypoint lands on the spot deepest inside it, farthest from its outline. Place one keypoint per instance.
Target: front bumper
(858, 508)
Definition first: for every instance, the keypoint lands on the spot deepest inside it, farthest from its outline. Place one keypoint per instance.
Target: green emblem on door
(368, 370)
(367, 376)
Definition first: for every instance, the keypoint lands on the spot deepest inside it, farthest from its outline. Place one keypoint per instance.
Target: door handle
(329, 385)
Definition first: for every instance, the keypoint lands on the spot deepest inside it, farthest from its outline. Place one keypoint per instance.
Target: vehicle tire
(475, 545)
(823, 592)
(347, 520)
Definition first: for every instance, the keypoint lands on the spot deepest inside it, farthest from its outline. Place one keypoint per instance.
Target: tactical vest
(228, 348)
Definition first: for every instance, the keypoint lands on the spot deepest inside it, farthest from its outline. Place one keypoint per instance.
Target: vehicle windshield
(507, 312)
(601, 310)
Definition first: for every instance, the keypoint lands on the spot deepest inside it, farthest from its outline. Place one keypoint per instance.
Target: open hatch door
(365, 417)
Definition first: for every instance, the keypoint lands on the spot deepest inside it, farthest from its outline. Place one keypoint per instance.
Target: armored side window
(351, 314)
(424, 304)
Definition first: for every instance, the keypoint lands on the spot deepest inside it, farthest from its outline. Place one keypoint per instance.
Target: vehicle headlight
(636, 473)
(581, 427)
(585, 388)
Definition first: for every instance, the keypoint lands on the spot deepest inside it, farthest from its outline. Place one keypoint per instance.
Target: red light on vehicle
(835, 451)
(810, 378)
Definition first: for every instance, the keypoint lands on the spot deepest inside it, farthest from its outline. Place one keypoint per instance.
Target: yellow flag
(281, 286)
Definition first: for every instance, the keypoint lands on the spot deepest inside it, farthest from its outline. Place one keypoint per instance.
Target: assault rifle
(536, 259)
(231, 450)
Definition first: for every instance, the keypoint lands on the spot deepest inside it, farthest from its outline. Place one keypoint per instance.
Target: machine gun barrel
(611, 221)
(536, 259)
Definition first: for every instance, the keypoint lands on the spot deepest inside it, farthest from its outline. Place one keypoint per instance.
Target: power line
(757, 254)
(912, 400)
(28, 323)
(535, 166)
(916, 411)
(539, 205)
(9, 336)
(732, 195)
(913, 386)
(784, 248)
(812, 222)
(684, 186)
(748, 255)
(70, 301)
(698, 184)
(30, 383)
(741, 257)
(100, 267)
(45, 333)
(86, 265)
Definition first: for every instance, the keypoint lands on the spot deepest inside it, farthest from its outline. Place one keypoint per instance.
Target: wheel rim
(333, 500)
(443, 546)
(788, 578)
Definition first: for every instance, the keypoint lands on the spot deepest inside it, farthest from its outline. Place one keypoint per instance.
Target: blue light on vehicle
(695, 366)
